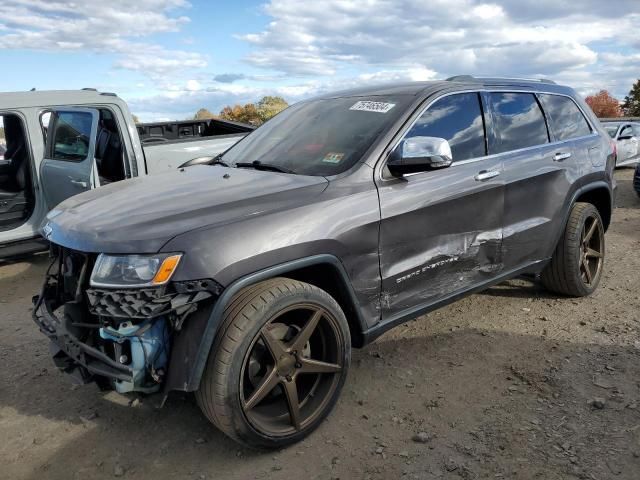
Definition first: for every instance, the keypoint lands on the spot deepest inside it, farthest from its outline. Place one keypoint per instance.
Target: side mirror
(420, 154)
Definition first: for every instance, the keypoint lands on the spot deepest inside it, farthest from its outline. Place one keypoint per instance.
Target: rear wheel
(279, 363)
(576, 266)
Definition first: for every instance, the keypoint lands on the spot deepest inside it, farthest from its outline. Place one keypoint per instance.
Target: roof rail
(90, 89)
(471, 78)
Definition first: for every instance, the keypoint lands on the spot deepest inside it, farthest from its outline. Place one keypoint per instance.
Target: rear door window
(458, 119)
(567, 121)
(517, 120)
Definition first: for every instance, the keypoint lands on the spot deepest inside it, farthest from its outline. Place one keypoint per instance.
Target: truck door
(68, 165)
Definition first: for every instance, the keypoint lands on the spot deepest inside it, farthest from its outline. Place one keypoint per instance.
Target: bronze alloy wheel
(577, 263)
(592, 249)
(291, 370)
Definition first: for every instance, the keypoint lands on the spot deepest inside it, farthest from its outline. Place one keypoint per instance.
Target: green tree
(270, 106)
(203, 114)
(632, 101)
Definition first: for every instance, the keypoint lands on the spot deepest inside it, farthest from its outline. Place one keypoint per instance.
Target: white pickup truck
(60, 143)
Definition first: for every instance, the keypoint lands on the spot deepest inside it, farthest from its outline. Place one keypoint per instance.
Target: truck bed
(167, 145)
(187, 130)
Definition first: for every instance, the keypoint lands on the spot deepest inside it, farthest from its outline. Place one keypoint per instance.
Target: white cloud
(114, 26)
(548, 38)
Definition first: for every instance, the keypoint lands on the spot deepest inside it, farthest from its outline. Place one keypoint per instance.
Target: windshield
(320, 137)
(611, 130)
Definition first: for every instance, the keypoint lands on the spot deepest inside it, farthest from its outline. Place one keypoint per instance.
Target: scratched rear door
(441, 230)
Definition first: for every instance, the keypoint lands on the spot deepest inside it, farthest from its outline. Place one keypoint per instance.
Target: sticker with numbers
(367, 106)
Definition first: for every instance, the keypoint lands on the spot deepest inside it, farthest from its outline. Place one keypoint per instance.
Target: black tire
(223, 387)
(566, 273)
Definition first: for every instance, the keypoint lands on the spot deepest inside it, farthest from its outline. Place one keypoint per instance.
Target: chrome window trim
(381, 163)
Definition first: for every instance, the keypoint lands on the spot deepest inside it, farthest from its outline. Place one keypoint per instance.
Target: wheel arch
(599, 195)
(323, 271)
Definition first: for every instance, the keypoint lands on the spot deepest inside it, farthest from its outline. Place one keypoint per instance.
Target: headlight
(134, 270)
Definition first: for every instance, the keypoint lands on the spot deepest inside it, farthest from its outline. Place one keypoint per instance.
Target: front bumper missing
(73, 356)
(81, 323)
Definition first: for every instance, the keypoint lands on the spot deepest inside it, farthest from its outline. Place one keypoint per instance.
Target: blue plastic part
(149, 346)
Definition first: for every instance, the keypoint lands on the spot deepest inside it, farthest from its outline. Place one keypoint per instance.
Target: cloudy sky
(168, 58)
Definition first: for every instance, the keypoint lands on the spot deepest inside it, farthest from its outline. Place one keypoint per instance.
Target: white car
(627, 138)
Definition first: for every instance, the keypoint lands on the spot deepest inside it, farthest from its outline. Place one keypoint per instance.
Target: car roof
(460, 82)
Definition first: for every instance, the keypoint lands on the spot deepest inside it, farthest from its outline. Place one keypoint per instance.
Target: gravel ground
(511, 383)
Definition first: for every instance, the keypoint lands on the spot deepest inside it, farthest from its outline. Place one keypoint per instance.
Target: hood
(140, 215)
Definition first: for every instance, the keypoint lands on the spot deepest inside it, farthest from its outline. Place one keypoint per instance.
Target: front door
(68, 166)
(441, 230)
(627, 144)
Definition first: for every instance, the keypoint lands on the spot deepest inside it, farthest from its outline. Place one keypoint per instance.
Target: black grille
(130, 303)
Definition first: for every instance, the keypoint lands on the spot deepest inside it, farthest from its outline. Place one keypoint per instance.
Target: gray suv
(249, 280)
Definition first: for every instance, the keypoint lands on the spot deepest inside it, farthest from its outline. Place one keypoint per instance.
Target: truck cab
(60, 143)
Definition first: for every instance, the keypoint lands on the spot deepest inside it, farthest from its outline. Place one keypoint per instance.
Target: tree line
(251, 113)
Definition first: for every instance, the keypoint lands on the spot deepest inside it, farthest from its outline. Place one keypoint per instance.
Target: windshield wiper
(258, 165)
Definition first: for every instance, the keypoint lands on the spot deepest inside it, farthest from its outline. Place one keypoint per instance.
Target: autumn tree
(203, 114)
(255, 113)
(632, 101)
(242, 113)
(604, 105)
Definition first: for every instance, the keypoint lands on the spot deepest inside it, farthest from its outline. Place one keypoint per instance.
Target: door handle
(486, 175)
(80, 183)
(560, 156)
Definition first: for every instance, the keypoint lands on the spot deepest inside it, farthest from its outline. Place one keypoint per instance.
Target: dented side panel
(441, 231)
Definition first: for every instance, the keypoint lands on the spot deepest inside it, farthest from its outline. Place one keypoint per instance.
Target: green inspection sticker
(333, 157)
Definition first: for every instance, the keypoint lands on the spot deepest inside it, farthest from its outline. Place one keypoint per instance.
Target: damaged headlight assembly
(131, 271)
(117, 327)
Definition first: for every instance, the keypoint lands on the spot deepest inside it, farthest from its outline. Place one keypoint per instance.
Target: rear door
(69, 163)
(540, 176)
(534, 182)
(441, 230)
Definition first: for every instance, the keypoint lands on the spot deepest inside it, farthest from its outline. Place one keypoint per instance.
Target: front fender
(210, 329)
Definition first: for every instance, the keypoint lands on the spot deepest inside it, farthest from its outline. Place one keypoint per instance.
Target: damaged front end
(129, 339)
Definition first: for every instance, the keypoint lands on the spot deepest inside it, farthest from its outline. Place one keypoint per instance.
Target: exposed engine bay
(121, 338)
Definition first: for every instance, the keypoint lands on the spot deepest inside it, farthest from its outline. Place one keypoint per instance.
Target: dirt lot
(510, 383)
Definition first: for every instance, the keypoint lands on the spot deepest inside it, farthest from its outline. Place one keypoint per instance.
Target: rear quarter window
(518, 121)
(567, 121)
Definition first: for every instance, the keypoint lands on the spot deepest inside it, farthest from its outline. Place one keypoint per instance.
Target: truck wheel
(278, 365)
(576, 266)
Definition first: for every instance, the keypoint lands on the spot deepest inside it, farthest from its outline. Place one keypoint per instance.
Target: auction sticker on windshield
(367, 106)
(333, 157)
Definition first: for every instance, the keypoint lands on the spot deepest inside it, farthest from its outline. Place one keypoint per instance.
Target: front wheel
(576, 266)
(278, 365)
